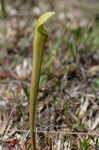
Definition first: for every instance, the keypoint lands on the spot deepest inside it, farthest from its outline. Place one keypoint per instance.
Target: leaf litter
(68, 100)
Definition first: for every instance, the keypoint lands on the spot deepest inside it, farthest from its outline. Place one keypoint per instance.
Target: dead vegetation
(68, 100)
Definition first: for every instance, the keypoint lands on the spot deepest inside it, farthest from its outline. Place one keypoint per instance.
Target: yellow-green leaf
(43, 19)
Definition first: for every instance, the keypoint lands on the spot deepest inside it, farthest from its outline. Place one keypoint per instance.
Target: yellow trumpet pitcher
(40, 38)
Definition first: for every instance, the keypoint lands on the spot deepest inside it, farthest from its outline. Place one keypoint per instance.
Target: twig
(68, 133)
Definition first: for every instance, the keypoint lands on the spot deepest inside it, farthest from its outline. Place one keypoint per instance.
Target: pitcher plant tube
(40, 38)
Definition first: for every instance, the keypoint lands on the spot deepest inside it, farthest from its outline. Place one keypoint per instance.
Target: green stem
(4, 14)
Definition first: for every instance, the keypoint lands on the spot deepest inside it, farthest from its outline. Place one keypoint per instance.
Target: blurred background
(68, 98)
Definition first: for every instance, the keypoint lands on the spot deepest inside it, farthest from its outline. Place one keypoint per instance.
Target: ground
(68, 99)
